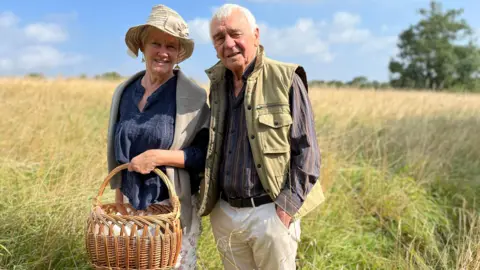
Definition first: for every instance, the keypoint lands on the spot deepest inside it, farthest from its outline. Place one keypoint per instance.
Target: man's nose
(229, 42)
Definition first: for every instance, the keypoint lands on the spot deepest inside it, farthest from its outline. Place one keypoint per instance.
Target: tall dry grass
(401, 172)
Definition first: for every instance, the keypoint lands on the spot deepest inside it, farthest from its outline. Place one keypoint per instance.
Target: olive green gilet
(268, 119)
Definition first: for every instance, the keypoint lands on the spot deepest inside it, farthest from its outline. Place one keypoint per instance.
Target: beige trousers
(254, 238)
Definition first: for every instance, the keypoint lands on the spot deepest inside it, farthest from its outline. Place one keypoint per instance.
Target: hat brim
(132, 39)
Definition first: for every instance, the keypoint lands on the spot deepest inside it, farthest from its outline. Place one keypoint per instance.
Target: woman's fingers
(143, 167)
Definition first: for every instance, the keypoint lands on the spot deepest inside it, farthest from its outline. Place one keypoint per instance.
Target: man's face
(234, 41)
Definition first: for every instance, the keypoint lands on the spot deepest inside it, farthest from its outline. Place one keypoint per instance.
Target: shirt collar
(247, 71)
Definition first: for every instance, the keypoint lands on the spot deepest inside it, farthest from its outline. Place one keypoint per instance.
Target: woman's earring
(177, 66)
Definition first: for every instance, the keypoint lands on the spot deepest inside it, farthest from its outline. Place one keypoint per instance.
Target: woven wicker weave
(140, 240)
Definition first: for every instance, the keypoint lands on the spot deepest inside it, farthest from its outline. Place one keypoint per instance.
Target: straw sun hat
(167, 20)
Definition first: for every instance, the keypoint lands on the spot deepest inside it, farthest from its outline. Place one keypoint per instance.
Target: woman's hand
(145, 162)
(148, 160)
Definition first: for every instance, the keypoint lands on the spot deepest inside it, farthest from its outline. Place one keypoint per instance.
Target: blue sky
(331, 39)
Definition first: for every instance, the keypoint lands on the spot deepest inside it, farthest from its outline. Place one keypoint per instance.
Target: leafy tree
(439, 52)
(359, 81)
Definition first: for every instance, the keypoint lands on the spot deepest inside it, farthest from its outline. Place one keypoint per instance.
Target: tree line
(357, 82)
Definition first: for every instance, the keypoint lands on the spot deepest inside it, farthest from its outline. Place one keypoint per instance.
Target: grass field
(401, 172)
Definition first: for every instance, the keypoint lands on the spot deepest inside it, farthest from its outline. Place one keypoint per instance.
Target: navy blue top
(153, 128)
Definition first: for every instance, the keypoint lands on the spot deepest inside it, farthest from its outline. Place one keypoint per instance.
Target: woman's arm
(148, 160)
(196, 153)
(192, 157)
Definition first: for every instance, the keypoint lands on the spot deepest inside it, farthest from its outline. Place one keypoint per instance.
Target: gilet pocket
(274, 132)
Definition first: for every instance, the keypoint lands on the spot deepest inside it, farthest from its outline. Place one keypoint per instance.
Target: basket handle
(171, 190)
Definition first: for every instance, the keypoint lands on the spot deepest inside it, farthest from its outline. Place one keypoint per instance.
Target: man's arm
(305, 153)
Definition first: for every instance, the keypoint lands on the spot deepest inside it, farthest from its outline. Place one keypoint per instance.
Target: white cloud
(46, 32)
(41, 56)
(303, 38)
(345, 20)
(315, 39)
(31, 47)
(345, 29)
(8, 19)
(200, 30)
(350, 35)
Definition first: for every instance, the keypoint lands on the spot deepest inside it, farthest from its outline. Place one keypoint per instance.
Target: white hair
(227, 9)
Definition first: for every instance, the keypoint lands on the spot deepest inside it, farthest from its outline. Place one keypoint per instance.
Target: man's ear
(257, 36)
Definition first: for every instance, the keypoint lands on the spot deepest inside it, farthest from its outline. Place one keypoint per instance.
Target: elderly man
(263, 161)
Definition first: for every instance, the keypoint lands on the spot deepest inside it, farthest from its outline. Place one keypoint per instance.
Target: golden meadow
(401, 172)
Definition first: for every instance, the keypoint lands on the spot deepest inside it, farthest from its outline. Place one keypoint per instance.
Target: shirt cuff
(191, 157)
(289, 202)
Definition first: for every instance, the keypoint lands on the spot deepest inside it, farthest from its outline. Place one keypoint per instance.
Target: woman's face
(160, 51)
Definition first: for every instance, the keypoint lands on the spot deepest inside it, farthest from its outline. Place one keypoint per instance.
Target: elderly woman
(159, 119)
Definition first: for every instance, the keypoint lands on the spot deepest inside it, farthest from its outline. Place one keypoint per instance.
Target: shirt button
(249, 107)
(276, 123)
(259, 166)
(252, 137)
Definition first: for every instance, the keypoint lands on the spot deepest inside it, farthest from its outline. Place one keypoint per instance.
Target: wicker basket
(140, 240)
